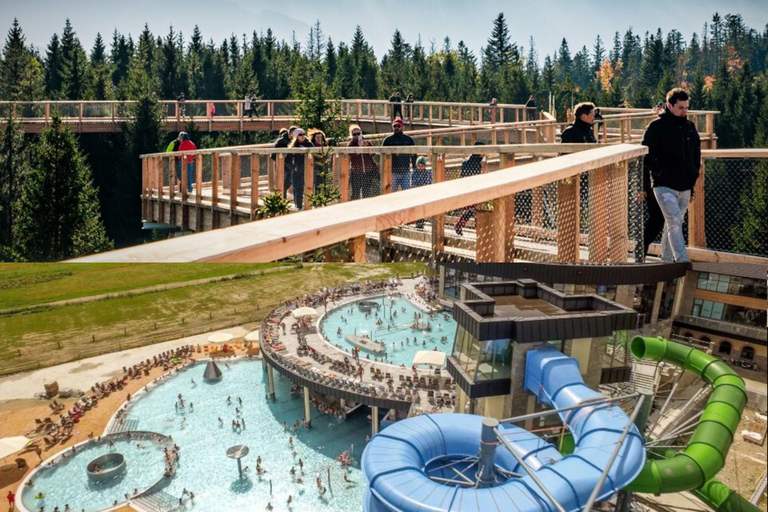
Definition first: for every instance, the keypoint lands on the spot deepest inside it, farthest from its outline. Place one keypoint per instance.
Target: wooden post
(309, 175)
(172, 175)
(343, 177)
(254, 163)
(696, 227)
(357, 249)
(48, 112)
(386, 173)
(234, 169)
(568, 220)
(618, 212)
(271, 174)
(438, 221)
(280, 178)
(484, 227)
(215, 180)
(225, 170)
(430, 116)
(507, 206)
(517, 115)
(144, 187)
(598, 213)
(199, 180)
(463, 138)
(184, 178)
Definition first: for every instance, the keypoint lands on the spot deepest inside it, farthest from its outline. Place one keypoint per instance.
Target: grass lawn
(27, 284)
(53, 335)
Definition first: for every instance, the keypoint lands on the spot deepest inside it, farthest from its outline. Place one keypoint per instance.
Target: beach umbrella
(305, 311)
(11, 445)
(252, 336)
(220, 337)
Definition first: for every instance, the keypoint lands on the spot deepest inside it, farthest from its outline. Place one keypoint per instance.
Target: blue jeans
(673, 205)
(401, 181)
(191, 177)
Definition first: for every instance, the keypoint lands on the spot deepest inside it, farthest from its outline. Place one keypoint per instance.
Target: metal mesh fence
(735, 192)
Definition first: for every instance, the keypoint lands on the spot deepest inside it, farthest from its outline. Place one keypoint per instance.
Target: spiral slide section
(399, 463)
(705, 454)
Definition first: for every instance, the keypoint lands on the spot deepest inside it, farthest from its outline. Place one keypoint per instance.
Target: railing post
(430, 115)
(184, 178)
(506, 206)
(215, 180)
(271, 171)
(386, 173)
(172, 175)
(568, 220)
(598, 222)
(343, 177)
(280, 178)
(48, 112)
(144, 186)
(309, 175)
(357, 249)
(225, 171)
(234, 184)
(438, 221)
(696, 231)
(618, 209)
(485, 229)
(199, 180)
(254, 165)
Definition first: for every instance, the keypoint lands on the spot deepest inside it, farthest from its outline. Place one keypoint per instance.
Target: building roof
(751, 270)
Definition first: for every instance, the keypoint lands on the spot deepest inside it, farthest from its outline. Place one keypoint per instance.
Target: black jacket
(297, 160)
(281, 142)
(472, 165)
(401, 163)
(578, 131)
(674, 152)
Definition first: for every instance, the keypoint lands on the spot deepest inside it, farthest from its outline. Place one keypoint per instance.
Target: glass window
(703, 278)
(717, 310)
(495, 360)
(722, 284)
(696, 307)
(706, 308)
(724, 348)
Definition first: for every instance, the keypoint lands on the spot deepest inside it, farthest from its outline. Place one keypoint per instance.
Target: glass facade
(728, 313)
(482, 360)
(732, 285)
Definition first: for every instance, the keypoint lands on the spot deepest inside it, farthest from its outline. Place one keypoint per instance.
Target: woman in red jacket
(188, 145)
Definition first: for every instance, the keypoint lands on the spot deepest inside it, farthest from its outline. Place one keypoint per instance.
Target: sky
(548, 21)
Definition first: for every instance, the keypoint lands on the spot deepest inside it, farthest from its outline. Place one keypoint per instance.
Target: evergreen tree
(13, 167)
(57, 216)
(53, 68)
(99, 83)
(171, 77)
(74, 65)
(564, 62)
(499, 51)
(750, 235)
(598, 55)
(119, 57)
(21, 77)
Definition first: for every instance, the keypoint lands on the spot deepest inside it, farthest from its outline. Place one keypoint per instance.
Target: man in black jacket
(401, 164)
(672, 163)
(581, 129)
(285, 138)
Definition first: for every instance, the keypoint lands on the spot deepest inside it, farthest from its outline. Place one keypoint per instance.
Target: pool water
(397, 311)
(67, 482)
(206, 470)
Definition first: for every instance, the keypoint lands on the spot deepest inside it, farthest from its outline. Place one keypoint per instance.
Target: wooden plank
(280, 237)
(184, 177)
(598, 215)
(386, 174)
(568, 220)
(735, 153)
(485, 244)
(508, 227)
(618, 209)
(357, 249)
(726, 298)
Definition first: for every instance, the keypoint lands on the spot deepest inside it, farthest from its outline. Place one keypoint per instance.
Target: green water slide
(695, 468)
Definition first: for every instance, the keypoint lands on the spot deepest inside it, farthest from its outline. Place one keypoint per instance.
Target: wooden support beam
(234, 169)
(568, 220)
(254, 163)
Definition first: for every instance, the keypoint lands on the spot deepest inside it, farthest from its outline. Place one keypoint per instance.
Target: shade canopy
(305, 311)
(220, 337)
(433, 357)
(212, 371)
(237, 452)
(252, 336)
(11, 445)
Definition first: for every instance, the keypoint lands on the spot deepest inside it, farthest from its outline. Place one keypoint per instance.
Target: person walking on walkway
(672, 164)
(247, 106)
(401, 164)
(397, 105)
(580, 131)
(188, 145)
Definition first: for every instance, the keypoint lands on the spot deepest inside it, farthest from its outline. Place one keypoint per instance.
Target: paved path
(86, 372)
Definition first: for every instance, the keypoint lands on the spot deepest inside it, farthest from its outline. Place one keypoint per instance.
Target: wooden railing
(498, 227)
(419, 112)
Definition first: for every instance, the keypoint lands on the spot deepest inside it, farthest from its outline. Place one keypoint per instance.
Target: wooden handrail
(735, 153)
(277, 238)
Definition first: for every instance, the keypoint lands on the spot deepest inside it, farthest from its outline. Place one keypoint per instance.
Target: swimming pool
(397, 313)
(204, 467)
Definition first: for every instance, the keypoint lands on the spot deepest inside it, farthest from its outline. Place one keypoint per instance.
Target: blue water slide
(398, 462)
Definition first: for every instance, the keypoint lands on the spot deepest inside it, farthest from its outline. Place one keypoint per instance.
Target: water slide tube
(396, 461)
(705, 454)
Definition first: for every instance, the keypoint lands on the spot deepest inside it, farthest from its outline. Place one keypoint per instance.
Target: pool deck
(324, 372)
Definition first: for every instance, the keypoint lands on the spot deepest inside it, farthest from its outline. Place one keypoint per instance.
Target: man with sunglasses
(401, 163)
